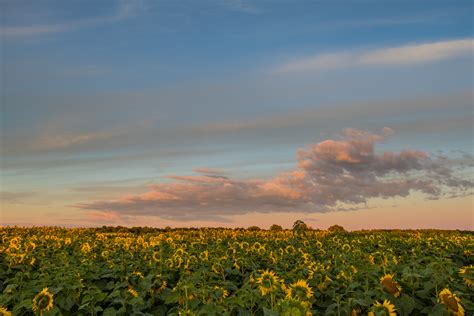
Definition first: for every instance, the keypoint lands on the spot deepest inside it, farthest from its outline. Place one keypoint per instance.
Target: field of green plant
(119, 271)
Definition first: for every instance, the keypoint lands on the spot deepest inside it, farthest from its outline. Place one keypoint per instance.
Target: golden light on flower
(390, 286)
(86, 248)
(451, 301)
(163, 285)
(290, 249)
(132, 291)
(204, 256)
(138, 274)
(355, 311)
(299, 290)
(372, 259)
(221, 292)
(467, 273)
(387, 308)
(268, 282)
(217, 268)
(179, 252)
(4, 311)
(43, 301)
(256, 246)
(236, 264)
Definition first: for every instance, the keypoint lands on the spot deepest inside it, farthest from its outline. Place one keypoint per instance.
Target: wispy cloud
(240, 6)
(391, 56)
(15, 197)
(336, 174)
(376, 111)
(210, 171)
(125, 9)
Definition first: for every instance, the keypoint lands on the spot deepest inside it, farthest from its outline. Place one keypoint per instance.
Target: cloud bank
(336, 174)
(393, 56)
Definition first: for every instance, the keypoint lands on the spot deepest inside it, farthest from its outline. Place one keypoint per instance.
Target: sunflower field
(119, 271)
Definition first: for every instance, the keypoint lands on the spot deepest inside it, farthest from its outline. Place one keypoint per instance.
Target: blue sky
(116, 95)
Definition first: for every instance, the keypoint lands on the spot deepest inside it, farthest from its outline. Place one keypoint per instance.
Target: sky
(237, 113)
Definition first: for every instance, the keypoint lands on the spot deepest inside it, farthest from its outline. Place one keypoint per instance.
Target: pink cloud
(341, 173)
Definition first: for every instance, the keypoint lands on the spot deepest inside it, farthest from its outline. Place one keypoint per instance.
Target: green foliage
(147, 271)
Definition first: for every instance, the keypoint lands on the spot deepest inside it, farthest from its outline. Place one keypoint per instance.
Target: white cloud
(126, 9)
(401, 55)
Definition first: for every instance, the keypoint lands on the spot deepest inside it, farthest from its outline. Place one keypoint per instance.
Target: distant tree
(300, 227)
(336, 228)
(276, 227)
(253, 228)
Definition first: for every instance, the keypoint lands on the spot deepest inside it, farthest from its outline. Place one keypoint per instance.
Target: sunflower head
(390, 286)
(383, 309)
(204, 255)
(355, 311)
(86, 248)
(299, 290)
(4, 311)
(220, 293)
(43, 301)
(267, 282)
(132, 291)
(467, 273)
(293, 307)
(451, 302)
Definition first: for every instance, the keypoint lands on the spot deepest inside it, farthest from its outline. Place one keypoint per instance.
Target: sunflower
(220, 292)
(451, 301)
(355, 311)
(4, 311)
(138, 274)
(86, 248)
(387, 307)
(43, 301)
(299, 290)
(132, 291)
(372, 259)
(390, 286)
(268, 282)
(467, 274)
(291, 307)
(204, 255)
(256, 246)
(156, 256)
(290, 249)
(217, 268)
